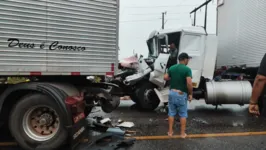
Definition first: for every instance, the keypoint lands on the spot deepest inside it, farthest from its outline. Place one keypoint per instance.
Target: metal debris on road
(109, 141)
(108, 131)
(91, 121)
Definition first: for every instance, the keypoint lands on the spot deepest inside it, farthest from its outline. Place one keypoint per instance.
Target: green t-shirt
(178, 74)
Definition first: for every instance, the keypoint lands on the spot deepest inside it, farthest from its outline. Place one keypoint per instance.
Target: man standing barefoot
(180, 77)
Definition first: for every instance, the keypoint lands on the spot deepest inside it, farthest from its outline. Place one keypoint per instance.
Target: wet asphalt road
(202, 119)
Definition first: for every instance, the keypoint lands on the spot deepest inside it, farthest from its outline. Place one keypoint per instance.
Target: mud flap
(77, 133)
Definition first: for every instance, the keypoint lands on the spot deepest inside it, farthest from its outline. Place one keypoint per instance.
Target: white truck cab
(193, 41)
(203, 49)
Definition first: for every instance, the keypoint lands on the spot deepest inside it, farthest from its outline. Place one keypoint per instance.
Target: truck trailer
(224, 66)
(61, 48)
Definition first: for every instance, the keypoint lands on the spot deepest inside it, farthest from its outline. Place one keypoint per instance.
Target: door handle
(162, 65)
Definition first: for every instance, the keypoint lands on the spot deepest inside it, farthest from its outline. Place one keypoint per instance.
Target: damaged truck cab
(152, 90)
(190, 40)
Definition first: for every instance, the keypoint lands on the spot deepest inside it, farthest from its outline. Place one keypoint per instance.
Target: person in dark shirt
(258, 87)
(180, 77)
(173, 55)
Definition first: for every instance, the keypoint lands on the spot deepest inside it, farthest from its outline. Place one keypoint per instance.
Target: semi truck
(63, 50)
(224, 65)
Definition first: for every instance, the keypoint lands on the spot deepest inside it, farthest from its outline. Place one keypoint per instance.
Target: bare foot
(183, 136)
(170, 134)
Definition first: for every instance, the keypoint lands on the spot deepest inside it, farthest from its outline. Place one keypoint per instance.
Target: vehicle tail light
(112, 70)
(112, 67)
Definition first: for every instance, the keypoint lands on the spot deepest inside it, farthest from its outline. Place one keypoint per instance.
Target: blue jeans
(177, 104)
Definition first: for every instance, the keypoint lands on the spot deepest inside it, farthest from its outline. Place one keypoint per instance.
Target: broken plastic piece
(117, 131)
(105, 120)
(120, 121)
(126, 124)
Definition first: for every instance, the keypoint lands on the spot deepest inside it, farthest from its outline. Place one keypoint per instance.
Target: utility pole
(163, 13)
(195, 17)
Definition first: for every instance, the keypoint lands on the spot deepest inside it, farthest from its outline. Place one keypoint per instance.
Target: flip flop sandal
(170, 134)
(184, 136)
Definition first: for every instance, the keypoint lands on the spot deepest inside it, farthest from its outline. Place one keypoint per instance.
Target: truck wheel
(109, 105)
(147, 98)
(36, 123)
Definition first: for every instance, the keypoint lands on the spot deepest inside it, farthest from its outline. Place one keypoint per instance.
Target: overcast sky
(138, 18)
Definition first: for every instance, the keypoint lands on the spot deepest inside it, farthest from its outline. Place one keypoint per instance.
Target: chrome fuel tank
(228, 92)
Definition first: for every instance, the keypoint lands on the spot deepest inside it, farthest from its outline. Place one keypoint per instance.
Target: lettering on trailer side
(55, 46)
(14, 42)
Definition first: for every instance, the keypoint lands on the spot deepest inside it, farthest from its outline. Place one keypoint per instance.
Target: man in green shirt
(180, 77)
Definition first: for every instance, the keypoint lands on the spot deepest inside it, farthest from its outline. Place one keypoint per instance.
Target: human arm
(167, 76)
(189, 84)
(258, 87)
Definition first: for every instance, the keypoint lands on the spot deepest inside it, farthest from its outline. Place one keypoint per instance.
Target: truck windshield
(152, 48)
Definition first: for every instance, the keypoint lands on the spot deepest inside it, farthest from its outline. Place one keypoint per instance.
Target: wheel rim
(41, 123)
(148, 95)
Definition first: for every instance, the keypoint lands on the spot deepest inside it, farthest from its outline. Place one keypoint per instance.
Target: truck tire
(36, 123)
(147, 99)
(109, 105)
